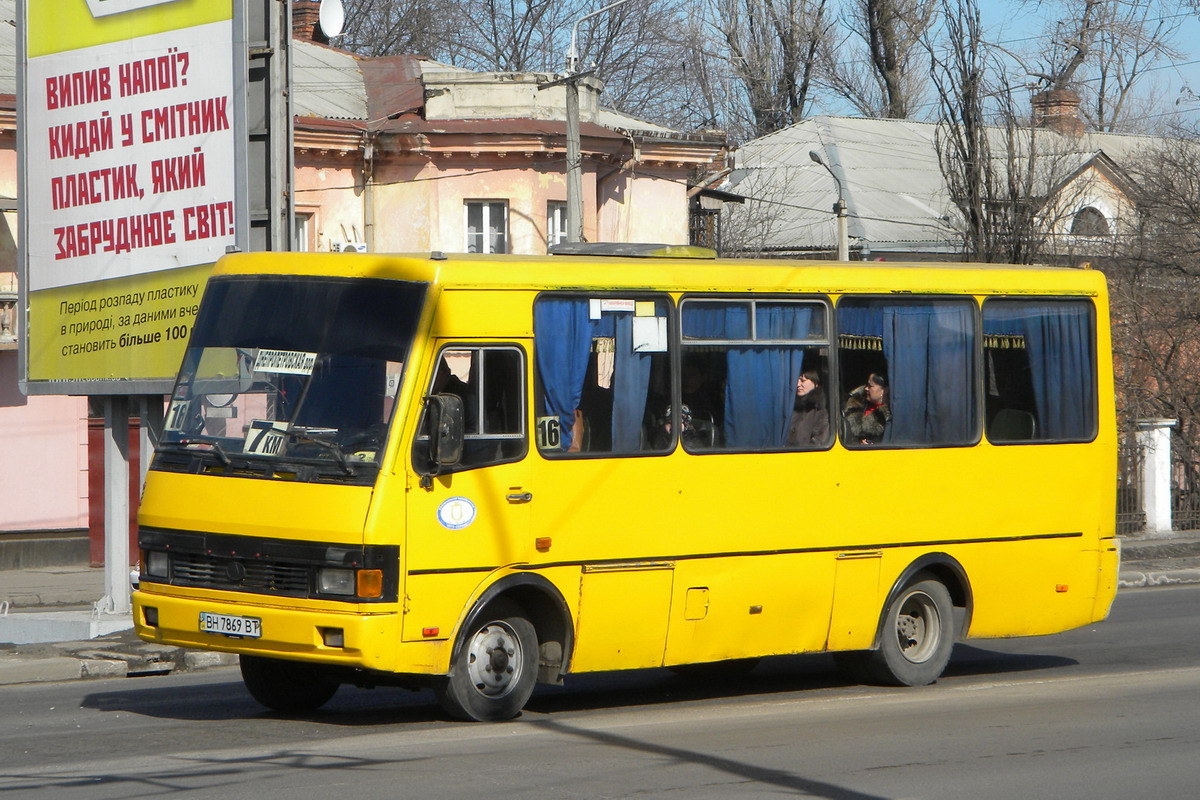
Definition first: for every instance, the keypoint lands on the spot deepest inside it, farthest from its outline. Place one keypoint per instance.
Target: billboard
(129, 139)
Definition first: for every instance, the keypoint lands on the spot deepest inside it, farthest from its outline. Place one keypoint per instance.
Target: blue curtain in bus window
(564, 341)
(930, 352)
(760, 382)
(854, 318)
(716, 321)
(1058, 343)
(631, 384)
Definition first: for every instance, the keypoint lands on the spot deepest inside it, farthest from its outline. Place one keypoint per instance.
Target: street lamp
(839, 208)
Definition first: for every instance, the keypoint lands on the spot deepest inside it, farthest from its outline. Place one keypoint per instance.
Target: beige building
(403, 154)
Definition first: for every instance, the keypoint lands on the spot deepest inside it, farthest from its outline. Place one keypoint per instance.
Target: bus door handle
(519, 497)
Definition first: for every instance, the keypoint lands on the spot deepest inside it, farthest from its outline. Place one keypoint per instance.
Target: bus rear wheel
(496, 667)
(915, 639)
(286, 686)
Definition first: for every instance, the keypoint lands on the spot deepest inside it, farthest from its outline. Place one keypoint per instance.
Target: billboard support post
(116, 506)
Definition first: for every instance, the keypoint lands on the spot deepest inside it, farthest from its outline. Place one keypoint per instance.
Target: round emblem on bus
(456, 513)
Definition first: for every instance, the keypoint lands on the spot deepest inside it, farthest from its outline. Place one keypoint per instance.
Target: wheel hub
(917, 628)
(494, 659)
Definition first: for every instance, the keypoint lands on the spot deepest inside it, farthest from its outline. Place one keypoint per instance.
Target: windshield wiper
(314, 435)
(208, 440)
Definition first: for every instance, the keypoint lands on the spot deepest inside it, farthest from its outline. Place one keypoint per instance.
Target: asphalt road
(1108, 711)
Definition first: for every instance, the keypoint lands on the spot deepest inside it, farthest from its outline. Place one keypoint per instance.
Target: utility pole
(574, 164)
(570, 82)
(839, 208)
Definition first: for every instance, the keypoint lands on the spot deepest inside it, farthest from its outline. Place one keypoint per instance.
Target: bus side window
(907, 371)
(1040, 363)
(603, 369)
(490, 381)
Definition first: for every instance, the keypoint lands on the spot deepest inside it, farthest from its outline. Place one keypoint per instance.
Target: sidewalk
(1144, 563)
(60, 590)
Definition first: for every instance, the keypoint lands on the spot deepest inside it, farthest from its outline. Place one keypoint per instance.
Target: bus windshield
(291, 378)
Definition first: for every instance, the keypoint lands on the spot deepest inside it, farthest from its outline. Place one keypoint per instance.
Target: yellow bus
(477, 473)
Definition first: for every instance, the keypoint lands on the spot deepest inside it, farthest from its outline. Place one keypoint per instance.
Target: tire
(496, 667)
(286, 686)
(915, 639)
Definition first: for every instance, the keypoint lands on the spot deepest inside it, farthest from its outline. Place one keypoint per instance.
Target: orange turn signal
(542, 543)
(1060, 588)
(370, 583)
(429, 631)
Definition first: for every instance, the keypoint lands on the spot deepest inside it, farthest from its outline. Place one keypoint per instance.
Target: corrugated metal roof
(326, 83)
(893, 186)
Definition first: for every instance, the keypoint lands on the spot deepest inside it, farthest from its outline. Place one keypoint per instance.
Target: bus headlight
(332, 580)
(156, 564)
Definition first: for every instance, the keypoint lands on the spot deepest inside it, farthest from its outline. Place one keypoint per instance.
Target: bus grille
(239, 575)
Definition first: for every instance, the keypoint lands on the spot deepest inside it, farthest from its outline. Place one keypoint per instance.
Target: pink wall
(43, 464)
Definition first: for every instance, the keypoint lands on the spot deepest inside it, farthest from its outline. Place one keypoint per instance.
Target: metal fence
(1185, 486)
(1131, 514)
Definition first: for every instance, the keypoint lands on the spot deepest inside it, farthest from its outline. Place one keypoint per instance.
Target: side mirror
(445, 430)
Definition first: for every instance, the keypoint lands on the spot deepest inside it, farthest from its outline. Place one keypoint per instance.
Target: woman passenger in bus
(809, 424)
(866, 411)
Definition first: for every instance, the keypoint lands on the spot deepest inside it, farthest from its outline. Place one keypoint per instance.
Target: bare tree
(1136, 36)
(1103, 50)
(887, 80)
(510, 35)
(389, 27)
(772, 50)
(1005, 177)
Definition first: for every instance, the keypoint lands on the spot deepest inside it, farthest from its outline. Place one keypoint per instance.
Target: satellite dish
(331, 17)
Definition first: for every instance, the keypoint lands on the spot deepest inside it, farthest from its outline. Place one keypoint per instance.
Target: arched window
(1089, 222)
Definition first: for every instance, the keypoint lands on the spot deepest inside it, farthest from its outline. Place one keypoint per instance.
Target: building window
(303, 231)
(487, 226)
(556, 223)
(1090, 222)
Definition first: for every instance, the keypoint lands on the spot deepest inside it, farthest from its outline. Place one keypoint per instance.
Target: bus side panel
(619, 623)
(741, 607)
(856, 601)
(1030, 588)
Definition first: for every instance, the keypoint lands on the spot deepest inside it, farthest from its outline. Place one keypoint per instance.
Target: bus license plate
(229, 625)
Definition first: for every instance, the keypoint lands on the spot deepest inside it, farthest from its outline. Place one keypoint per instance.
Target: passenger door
(474, 518)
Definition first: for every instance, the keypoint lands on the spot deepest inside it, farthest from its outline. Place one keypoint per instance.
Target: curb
(96, 664)
(1135, 579)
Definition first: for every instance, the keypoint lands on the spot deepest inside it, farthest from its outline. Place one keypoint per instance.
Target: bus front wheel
(916, 637)
(287, 686)
(495, 669)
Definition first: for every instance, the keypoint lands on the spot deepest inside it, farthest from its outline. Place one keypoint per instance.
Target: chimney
(1057, 110)
(305, 21)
